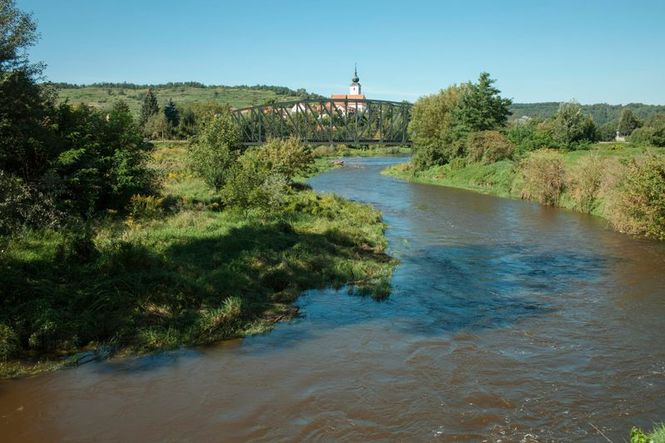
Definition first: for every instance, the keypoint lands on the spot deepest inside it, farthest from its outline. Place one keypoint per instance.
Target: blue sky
(538, 50)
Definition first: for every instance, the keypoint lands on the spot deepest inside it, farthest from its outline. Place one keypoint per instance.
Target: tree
(172, 114)
(215, 149)
(572, 126)
(25, 106)
(149, 108)
(157, 127)
(18, 32)
(431, 128)
(481, 108)
(628, 122)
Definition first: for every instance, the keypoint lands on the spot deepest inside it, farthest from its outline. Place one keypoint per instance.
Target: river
(508, 321)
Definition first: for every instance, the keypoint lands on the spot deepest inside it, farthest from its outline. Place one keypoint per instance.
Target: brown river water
(508, 321)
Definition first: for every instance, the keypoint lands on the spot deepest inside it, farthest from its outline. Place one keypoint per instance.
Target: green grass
(493, 178)
(237, 97)
(192, 273)
(637, 435)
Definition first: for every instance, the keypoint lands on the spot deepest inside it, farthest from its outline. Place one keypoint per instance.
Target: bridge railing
(327, 121)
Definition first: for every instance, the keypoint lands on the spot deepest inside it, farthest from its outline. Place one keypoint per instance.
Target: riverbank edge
(502, 189)
(362, 255)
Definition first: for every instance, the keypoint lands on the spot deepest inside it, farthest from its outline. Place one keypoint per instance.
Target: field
(237, 97)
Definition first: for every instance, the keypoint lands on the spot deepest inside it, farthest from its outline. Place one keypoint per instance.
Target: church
(355, 94)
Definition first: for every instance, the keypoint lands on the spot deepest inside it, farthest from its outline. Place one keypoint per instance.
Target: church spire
(355, 78)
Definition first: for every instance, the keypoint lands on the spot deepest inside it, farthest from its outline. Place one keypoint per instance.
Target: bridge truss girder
(327, 121)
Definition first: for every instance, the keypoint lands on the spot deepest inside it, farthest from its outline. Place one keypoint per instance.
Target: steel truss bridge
(327, 121)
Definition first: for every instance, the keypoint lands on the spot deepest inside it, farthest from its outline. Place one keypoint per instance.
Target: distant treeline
(280, 90)
(602, 113)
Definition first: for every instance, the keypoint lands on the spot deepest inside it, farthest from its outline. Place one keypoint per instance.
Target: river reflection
(508, 321)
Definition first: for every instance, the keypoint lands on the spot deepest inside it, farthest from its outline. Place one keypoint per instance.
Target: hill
(103, 95)
(602, 113)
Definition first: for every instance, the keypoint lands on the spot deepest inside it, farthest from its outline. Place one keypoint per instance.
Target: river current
(508, 321)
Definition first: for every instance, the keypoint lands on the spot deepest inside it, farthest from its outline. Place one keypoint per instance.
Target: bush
(8, 342)
(215, 149)
(653, 133)
(252, 183)
(585, 181)
(432, 128)
(157, 127)
(543, 176)
(488, 147)
(102, 160)
(571, 126)
(287, 157)
(21, 205)
(639, 204)
(531, 136)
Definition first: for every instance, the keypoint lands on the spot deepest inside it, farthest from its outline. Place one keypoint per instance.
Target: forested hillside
(602, 113)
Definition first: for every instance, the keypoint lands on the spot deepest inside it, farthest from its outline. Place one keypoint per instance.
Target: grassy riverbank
(179, 269)
(590, 181)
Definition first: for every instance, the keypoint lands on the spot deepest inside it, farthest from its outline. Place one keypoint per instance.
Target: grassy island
(180, 269)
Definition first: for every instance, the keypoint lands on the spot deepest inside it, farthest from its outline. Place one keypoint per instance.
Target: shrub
(157, 127)
(102, 160)
(585, 181)
(287, 157)
(8, 342)
(653, 133)
(543, 176)
(215, 149)
(252, 183)
(571, 126)
(432, 128)
(21, 205)
(488, 147)
(639, 204)
(531, 136)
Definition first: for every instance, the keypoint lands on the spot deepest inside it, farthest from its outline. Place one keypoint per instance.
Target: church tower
(355, 88)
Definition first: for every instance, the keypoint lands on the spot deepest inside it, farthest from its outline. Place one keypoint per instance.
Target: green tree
(572, 126)
(431, 128)
(652, 133)
(25, 106)
(481, 107)
(101, 162)
(149, 107)
(628, 122)
(172, 114)
(157, 127)
(215, 148)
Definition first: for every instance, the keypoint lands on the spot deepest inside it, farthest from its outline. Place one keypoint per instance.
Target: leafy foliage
(488, 147)
(261, 176)
(628, 122)
(149, 107)
(431, 128)
(215, 148)
(543, 176)
(531, 135)
(481, 108)
(639, 207)
(652, 133)
(101, 162)
(571, 126)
